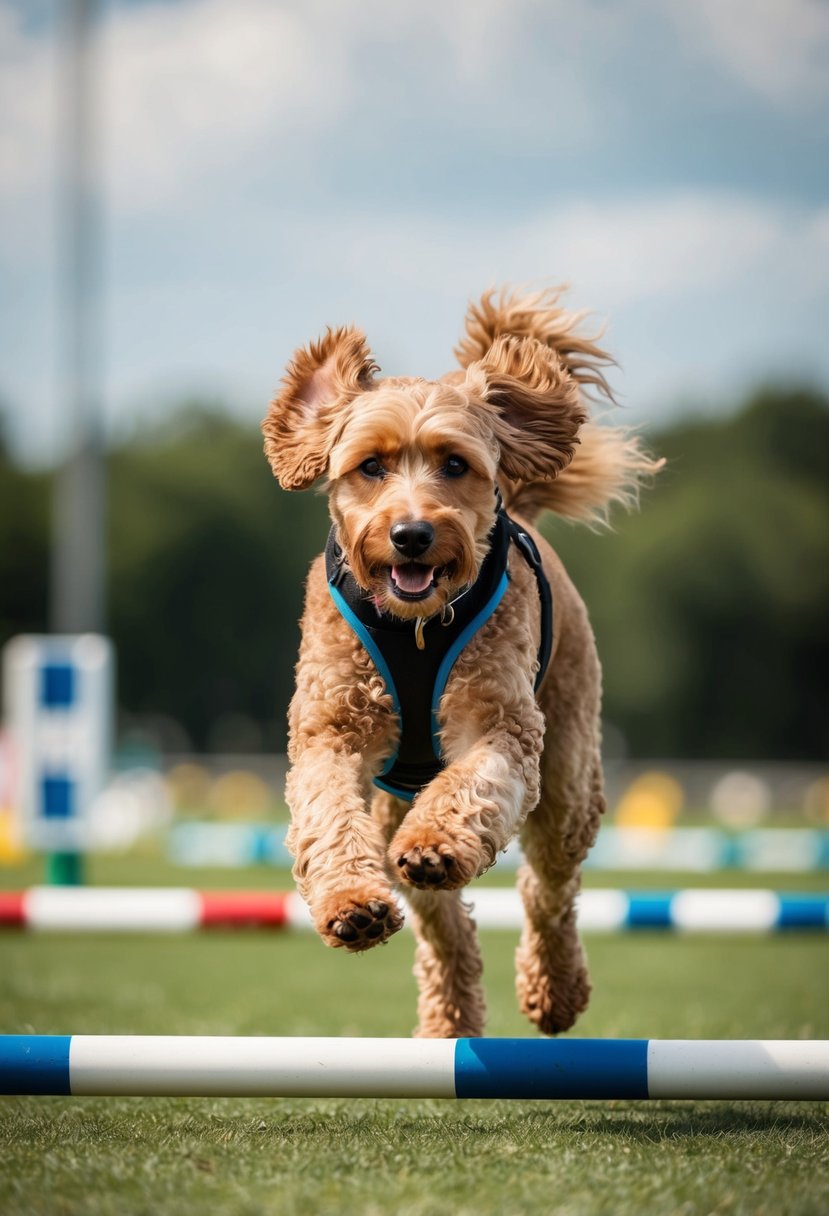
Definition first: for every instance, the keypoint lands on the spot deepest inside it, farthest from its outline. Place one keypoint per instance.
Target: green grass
(125, 1156)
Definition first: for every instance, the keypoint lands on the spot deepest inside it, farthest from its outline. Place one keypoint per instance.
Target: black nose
(412, 538)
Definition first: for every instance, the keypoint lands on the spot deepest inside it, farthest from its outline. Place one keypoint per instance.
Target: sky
(269, 168)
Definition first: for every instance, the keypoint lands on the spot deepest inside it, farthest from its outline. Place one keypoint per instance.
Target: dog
(448, 686)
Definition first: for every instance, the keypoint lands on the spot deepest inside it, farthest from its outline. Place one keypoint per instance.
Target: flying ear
(301, 422)
(533, 404)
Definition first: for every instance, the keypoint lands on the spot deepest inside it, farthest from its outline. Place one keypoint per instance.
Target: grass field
(129, 1156)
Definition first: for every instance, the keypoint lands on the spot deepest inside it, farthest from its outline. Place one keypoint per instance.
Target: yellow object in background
(11, 847)
(188, 786)
(653, 800)
(817, 801)
(240, 795)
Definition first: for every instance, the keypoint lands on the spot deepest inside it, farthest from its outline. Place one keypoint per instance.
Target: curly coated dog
(448, 687)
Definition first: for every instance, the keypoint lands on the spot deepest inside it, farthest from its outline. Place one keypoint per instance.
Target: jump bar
(181, 909)
(413, 1068)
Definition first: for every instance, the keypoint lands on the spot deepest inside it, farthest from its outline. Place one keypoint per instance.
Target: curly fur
(514, 416)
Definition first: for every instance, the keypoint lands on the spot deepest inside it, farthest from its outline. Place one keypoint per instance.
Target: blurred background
(189, 189)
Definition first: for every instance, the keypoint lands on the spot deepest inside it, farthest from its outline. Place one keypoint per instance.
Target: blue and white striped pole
(413, 1068)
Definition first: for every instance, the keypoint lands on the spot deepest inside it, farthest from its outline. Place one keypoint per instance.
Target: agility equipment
(176, 910)
(684, 850)
(60, 706)
(148, 909)
(413, 1068)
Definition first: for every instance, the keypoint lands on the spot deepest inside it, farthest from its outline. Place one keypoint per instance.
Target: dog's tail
(610, 463)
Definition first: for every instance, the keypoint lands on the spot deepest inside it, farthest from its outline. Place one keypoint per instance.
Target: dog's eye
(372, 468)
(455, 466)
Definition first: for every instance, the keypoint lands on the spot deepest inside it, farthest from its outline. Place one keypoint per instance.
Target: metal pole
(77, 591)
(77, 602)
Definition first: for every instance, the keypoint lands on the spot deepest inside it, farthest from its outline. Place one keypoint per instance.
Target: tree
(207, 564)
(710, 606)
(24, 548)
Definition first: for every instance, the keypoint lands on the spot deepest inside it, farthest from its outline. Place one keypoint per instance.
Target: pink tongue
(412, 579)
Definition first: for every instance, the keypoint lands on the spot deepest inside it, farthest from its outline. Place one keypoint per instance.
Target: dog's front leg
(339, 850)
(471, 811)
(341, 727)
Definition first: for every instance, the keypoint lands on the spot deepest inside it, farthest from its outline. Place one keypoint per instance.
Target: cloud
(209, 96)
(194, 91)
(701, 290)
(779, 48)
(674, 274)
(271, 166)
(619, 252)
(28, 109)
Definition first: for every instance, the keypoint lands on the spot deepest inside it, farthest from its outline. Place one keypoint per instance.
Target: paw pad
(359, 926)
(426, 868)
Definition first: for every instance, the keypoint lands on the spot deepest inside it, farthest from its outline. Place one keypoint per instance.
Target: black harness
(416, 678)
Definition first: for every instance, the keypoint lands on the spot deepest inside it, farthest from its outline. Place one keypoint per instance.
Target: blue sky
(269, 168)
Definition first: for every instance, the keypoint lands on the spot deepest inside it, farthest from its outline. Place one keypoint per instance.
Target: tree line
(710, 604)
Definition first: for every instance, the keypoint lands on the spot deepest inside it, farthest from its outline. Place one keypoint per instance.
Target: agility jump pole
(144, 1066)
(174, 910)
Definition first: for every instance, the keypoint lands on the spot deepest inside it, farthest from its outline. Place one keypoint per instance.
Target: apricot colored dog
(420, 474)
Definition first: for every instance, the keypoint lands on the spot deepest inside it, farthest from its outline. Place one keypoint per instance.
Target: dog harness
(415, 678)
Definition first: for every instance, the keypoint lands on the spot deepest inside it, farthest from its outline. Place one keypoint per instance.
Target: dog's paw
(432, 861)
(552, 999)
(426, 868)
(358, 924)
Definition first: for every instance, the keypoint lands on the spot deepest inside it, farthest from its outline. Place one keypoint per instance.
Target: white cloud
(188, 90)
(700, 289)
(200, 93)
(744, 281)
(193, 91)
(617, 253)
(780, 48)
(28, 139)
(27, 105)
(228, 232)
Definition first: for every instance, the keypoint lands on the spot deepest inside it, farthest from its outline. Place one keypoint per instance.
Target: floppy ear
(301, 422)
(533, 404)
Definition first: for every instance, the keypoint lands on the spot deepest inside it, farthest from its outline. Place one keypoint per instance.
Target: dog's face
(412, 491)
(412, 465)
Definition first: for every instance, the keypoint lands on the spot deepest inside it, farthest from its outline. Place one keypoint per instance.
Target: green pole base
(64, 869)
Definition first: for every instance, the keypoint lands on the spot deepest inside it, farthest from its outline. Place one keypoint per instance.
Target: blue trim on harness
(456, 648)
(403, 795)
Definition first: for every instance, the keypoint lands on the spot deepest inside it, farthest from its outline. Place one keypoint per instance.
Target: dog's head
(412, 465)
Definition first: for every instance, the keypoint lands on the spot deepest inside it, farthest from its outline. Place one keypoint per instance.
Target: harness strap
(529, 551)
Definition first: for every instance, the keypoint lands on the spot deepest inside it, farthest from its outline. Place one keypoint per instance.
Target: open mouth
(413, 581)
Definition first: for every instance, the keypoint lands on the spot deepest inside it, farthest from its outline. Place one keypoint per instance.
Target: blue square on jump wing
(57, 798)
(57, 685)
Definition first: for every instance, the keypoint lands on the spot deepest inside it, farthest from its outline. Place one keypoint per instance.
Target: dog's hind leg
(447, 967)
(551, 970)
(552, 981)
(448, 963)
